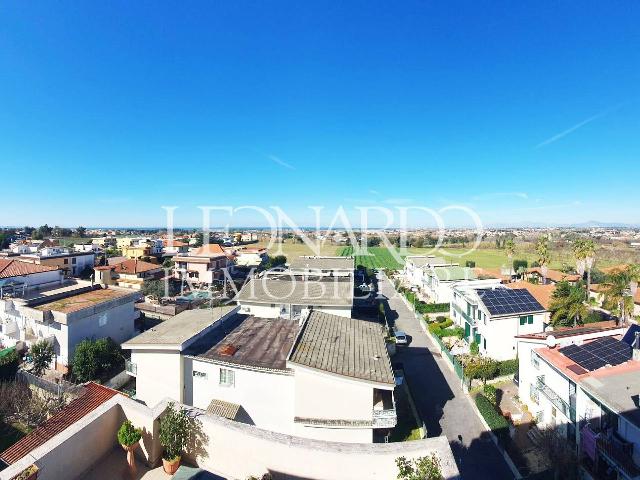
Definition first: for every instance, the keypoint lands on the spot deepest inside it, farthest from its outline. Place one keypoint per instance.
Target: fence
(457, 366)
(59, 388)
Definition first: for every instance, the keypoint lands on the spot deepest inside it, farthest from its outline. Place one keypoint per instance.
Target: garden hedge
(508, 367)
(497, 423)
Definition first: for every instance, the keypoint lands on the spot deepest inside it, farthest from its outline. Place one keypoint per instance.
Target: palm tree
(618, 294)
(510, 247)
(584, 252)
(542, 249)
(568, 307)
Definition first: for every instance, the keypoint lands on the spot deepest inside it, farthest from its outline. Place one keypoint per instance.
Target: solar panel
(598, 353)
(505, 301)
(630, 336)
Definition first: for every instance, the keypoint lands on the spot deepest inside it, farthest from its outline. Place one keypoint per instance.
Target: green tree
(199, 239)
(94, 359)
(617, 293)
(584, 252)
(275, 261)
(41, 356)
(81, 232)
(543, 256)
(510, 248)
(422, 468)
(567, 306)
(481, 368)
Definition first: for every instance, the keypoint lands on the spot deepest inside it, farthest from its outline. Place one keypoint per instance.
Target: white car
(401, 338)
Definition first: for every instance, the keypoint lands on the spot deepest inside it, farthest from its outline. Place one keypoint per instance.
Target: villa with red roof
(203, 265)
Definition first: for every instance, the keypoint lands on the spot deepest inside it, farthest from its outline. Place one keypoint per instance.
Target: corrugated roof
(343, 346)
(94, 396)
(332, 291)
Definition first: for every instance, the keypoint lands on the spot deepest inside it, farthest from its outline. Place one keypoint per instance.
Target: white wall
(500, 334)
(265, 310)
(159, 375)
(266, 397)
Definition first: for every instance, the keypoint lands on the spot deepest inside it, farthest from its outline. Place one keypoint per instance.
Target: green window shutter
(530, 319)
(523, 320)
(467, 329)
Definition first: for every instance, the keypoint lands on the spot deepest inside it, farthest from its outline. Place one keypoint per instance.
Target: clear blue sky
(524, 111)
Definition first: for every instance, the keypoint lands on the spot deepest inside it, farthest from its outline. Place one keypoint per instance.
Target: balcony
(130, 367)
(618, 453)
(564, 408)
(385, 418)
(469, 319)
(384, 409)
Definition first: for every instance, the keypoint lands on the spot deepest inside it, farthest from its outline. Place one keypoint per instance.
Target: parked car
(401, 338)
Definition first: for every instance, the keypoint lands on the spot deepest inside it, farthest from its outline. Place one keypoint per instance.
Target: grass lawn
(379, 257)
(10, 434)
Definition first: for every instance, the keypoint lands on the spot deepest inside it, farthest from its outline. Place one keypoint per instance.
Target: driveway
(444, 407)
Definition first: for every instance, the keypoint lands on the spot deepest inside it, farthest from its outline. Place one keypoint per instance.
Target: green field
(378, 257)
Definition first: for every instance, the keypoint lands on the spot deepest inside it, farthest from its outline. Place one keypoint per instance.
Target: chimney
(636, 347)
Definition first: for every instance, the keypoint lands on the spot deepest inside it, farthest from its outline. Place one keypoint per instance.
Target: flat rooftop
(179, 329)
(328, 291)
(73, 302)
(249, 341)
(343, 346)
(322, 263)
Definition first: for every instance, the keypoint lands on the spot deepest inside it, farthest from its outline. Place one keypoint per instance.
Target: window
(533, 393)
(535, 360)
(530, 320)
(73, 260)
(66, 260)
(227, 377)
(526, 319)
(485, 343)
(198, 374)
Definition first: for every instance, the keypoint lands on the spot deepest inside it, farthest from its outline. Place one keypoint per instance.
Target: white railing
(385, 418)
(130, 367)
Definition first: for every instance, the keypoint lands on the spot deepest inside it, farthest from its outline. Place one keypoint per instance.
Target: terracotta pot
(171, 467)
(131, 459)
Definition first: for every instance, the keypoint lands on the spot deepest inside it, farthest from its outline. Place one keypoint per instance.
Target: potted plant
(129, 437)
(174, 427)
(29, 473)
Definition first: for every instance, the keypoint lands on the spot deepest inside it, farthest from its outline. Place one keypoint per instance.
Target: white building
(289, 296)
(493, 316)
(71, 262)
(67, 315)
(300, 378)
(438, 281)
(584, 384)
(415, 266)
(18, 278)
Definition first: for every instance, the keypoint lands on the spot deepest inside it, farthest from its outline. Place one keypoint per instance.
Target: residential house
(504, 274)
(87, 247)
(18, 277)
(204, 265)
(65, 316)
(584, 384)
(250, 257)
(322, 266)
(308, 382)
(289, 296)
(174, 247)
(553, 276)
(415, 266)
(494, 316)
(70, 262)
(438, 281)
(128, 273)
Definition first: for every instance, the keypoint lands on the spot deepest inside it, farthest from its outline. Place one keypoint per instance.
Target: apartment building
(584, 383)
(72, 263)
(128, 273)
(204, 265)
(66, 315)
(295, 377)
(493, 316)
(416, 265)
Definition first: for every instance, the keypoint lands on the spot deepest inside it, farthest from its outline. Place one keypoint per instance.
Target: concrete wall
(160, 375)
(500, 334)
(266, 310)
(266, 397)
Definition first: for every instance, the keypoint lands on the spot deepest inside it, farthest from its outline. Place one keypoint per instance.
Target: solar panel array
(598, 353)
(505, 301)
(630, 336)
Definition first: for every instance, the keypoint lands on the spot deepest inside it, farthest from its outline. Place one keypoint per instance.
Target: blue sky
(523, 111)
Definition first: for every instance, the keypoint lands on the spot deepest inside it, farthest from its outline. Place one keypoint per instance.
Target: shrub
(508, 367)
(422, 468)
(450, 332)
(497, 423)
(441, 318)
(128, 434)
(520, 265)
(174, 427)
(470, 264)
(94, 359)
(489, 391)
(446, 324)
(41, 356)
(481, 368)
(474, 348)
(9, 363)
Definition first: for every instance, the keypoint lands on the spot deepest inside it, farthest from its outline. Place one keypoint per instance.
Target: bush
(481, 368)
(9, 365)
(470, 264)
(441, 318)
(490, 392)
(450, 332)
(422, 307)
(95, 359)
(519, 265)
(497, 423)
(41, 356)
(474, 348)
(446, 324)
(128, 434)
(508, 367)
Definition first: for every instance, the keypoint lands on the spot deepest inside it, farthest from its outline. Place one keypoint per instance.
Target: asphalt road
(444, 407)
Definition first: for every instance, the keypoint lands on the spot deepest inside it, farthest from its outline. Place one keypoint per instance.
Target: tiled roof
(556, 275)
(135, 266)
(94, 396)
(16, 268)
(343, 346)
(615, 268)
(542, 293)
(210, 250)
(224, 409)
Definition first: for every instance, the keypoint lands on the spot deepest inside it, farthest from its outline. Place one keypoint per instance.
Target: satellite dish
(551, 341)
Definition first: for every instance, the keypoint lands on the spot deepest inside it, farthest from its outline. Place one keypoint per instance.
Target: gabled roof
(343, 346)
(210, 250)
(17, 268)
(130, 267)
(502, 301)
(94, 396)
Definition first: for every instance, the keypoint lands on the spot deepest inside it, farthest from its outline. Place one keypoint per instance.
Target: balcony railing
(566, 409)
(385, 418)
(617, 454)
(469, 319)
(130, 367)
